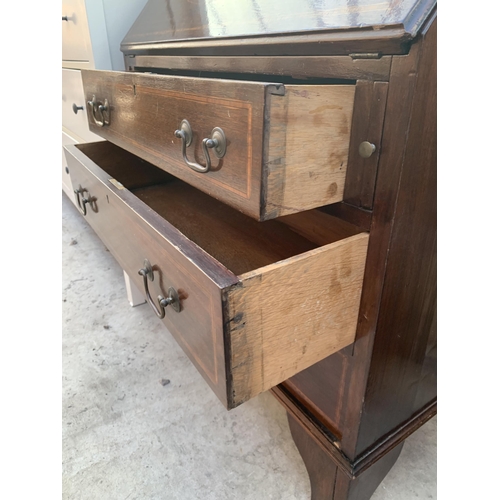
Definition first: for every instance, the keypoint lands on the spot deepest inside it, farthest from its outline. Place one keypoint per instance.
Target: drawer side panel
(285, 317)
(309, 133)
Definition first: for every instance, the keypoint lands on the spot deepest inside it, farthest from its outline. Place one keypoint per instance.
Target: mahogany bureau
(268, 179)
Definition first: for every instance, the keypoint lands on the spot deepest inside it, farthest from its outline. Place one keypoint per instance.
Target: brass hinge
(366, 55)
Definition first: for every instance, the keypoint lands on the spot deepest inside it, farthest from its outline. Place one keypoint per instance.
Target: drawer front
(244, 333)
(66, 177)
(286, 146)
(72, 94)
(75, 32)
(131, 240)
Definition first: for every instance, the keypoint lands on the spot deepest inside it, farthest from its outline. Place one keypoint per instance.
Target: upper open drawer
(266, 149)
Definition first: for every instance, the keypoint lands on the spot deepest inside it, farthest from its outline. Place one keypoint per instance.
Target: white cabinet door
(72, 94)
(66, 176)
(75, 32)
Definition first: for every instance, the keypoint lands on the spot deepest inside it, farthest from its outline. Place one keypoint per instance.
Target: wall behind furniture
(119, 17)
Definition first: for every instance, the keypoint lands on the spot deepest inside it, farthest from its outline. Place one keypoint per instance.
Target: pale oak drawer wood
(287, 145)
(261, 301)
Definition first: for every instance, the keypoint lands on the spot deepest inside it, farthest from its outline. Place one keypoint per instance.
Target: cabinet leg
(330, 483)
(320, 467)
(134, 295)
(363, 487)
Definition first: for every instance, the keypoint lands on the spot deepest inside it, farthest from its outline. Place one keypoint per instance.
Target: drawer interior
(260, 301)
(237, 241)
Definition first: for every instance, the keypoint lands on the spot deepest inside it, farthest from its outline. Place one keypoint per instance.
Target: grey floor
(127, 436)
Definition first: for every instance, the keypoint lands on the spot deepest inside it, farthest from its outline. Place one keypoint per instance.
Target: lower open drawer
(251, 303)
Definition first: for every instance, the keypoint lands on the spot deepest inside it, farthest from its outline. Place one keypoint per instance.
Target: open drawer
(251, 303)
(269, 149)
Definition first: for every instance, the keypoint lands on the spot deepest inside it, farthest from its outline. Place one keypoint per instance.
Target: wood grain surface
(287, 316)
(320, 467)
(319, 227)
(308, 147)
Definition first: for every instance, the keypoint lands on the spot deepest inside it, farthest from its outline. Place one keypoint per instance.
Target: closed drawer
(72, 95)
(259, 301)
(66, 179)
(75, 32)
(286, 145)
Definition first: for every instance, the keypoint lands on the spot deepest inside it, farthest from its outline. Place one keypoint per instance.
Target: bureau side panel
(335, 390)
(408, 305)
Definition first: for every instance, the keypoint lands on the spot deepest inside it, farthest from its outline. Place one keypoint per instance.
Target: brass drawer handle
(217, 142)
(82, 204)
(82, 201)
(172, 298)
(97, 107)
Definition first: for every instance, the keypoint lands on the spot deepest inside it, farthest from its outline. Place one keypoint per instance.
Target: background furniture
(91, 35)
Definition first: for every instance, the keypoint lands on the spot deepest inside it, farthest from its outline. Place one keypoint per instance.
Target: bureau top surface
(185, 23)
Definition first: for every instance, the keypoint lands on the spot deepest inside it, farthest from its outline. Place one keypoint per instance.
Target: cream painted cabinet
(91, 34)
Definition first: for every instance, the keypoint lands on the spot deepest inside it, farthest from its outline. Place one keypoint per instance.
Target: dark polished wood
(205, 27)
(367, 125)
(364, 486)
(331, 444)
(328, 480)
(392, 364)
(408, 303)
(355, 215)
(339, 67)
(320, 467)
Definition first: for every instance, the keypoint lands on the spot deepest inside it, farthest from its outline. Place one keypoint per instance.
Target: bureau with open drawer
(251, 303)
(266, 149)
(248, 151)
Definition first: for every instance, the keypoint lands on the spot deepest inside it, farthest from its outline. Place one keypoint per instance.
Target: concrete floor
(128, 436)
